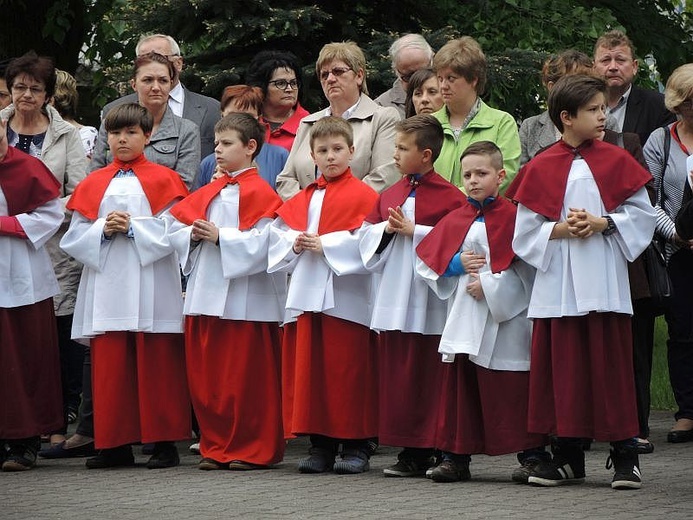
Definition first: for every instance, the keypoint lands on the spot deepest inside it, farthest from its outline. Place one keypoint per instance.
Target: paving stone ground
(64, 489)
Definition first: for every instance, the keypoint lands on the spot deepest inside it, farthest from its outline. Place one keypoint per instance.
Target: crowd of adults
(38, 117)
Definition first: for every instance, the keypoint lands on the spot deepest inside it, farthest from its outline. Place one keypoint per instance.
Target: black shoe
(567, 466)
(644, 446)
(21, 455)
(407, 467)
(320, 460)
(61, 451)
(352, 462)
(526, 469)
(165, 456)
(451, 471)
(112, 458)
(625, 462)
(149, 448)
(677, 436)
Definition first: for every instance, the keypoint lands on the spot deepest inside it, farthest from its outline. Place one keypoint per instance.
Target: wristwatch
(610, 226)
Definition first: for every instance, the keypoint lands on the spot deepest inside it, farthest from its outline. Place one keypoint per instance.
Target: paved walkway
(66, 490)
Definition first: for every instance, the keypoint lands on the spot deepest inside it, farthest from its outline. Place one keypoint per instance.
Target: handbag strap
(667, 147)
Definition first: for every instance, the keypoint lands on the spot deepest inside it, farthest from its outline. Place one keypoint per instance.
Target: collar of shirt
(618, 113)
(473, 112)
(347, 113)
(176, 99)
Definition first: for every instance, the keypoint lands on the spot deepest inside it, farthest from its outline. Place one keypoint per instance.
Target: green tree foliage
(219, 38)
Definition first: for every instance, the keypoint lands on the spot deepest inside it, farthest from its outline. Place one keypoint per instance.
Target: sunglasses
(335, 71)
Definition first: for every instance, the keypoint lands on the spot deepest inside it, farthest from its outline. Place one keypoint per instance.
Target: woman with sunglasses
(341, 68)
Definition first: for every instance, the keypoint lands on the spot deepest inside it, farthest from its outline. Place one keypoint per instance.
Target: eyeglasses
(21, 89)
(281, 84)
(405, 77)
(335, 71)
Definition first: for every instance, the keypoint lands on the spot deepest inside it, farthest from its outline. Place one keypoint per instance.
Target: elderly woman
(461, 69)
(279, 76)
(175, 142)
(423, 93)
(30, 213)
(341, 68)
(666, 152)
(36, 128)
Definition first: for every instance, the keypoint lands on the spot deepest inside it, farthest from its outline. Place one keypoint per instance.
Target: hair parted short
(263, 65)
(349, 53)
(570, 61)
(679, 87)
(154, 57)
(331, 126)
(244, 96)
(175, 48)
(126, 115)
(40, 68)
(427, 131)
(488, 149)
(416, 81)
(409, 41)
(245, 125)
(572, 92)
(464, 57)
(614, 38)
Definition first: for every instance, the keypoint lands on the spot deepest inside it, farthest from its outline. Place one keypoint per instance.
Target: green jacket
(488, 124)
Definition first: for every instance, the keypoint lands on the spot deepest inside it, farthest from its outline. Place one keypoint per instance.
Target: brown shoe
(240, 465)
(208, 464)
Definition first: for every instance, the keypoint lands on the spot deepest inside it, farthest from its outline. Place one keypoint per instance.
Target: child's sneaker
(319, 461)
(567, 467)
(625, 462)
(408, 467)
(352, 461)
(526, 469)
(451, 471)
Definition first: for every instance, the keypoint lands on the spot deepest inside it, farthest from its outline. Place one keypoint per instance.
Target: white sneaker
(195, 448)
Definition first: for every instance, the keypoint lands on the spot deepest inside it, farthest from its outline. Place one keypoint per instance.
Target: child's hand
(472, 262)
(582, 224)
(474, 288)
(205, 230)
(398, 223)
(308, 242)
(116, 222)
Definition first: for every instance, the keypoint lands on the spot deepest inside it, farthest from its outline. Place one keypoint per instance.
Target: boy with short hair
(335, 366)
(467, 259)
(406, 313)
(233, 307)
(590, 216)
(129, 301)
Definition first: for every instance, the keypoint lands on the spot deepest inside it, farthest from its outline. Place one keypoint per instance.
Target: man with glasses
(632, 108)
(202, 110)
(409, 53)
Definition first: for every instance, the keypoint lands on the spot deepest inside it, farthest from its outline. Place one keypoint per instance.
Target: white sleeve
(341, 250)
(635, 221)
(531, 240)
(42, 223)
(280, 254)
(507, 293)
(84, 241)
(244, 253)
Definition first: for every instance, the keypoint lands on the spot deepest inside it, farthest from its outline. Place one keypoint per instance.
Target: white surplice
(128, 283)
(493, 331)
(402, 301)
(26, 271)
(229, 280)
(335, 283)
(577, 276)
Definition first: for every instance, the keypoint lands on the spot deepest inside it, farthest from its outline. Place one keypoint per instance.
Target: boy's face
(481, 179)
(588, 123)
(230, 152)
(331, 155)
(408, 158)
(127, 143)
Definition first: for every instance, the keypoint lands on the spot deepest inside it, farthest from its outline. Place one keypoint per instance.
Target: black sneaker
(406, 467)
(451, 471)
(165, 456)
(526, 469)
(352, 462)
(626, 468)
(555, 474)
(112, 458)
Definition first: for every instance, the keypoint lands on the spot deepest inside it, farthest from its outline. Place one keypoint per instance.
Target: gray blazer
(536, 132)
(175, 144)
(202, 110)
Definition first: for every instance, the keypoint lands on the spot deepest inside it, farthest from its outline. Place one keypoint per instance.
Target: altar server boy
(129, 301)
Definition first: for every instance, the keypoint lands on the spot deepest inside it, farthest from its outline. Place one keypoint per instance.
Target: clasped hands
(116, 222)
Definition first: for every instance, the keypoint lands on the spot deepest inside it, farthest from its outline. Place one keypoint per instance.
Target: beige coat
(63, 154)
(374, 145)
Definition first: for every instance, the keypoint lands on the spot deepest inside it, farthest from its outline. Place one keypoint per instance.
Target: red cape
(540, 184)
(26, 182)
(435, 198)
(161, 186)
(446, 238)
(257, 200)
(347, 201)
